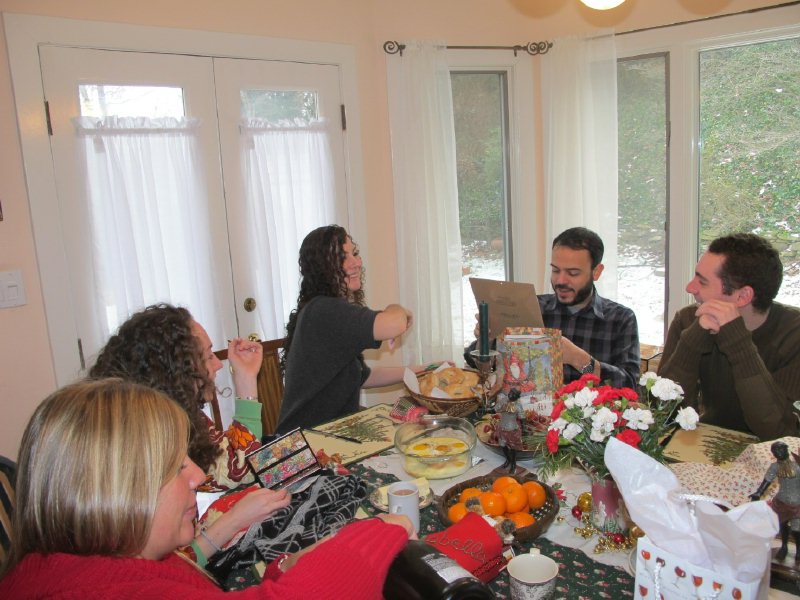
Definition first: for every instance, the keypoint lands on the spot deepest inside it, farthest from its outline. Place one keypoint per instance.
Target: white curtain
(149, 220)
(579, 106)
(290, 191)
(426, 200)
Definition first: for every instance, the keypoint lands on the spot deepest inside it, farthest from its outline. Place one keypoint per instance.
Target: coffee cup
(404, 500)
(532, 576)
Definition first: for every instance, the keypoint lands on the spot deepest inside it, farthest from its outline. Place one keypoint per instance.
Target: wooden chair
(270, 386)
(650, 357)
(8, 471)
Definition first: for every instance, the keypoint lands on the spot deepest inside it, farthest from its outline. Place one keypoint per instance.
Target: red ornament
(618, 538)
(577, 512)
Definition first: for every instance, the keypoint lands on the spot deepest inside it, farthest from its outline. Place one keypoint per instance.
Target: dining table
(585, 571)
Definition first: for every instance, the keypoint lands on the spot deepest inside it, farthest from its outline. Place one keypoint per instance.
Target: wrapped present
(531, 360)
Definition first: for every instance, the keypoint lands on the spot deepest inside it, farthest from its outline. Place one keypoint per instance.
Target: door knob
(249, 304)
(254, 337)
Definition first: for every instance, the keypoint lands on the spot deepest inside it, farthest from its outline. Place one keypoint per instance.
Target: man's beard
(580, 296)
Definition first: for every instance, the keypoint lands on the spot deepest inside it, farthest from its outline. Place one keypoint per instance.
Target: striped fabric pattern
(6, 503)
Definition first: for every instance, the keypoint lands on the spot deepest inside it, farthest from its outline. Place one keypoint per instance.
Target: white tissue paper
(735, 543)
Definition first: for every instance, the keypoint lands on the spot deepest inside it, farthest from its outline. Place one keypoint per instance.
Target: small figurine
(786, 502)
(509, 432)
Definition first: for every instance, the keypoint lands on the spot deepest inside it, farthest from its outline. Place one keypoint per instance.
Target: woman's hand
(403, 521)
(245, 358)
(257, 506)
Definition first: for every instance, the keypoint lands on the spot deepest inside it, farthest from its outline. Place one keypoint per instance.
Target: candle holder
(486, 364)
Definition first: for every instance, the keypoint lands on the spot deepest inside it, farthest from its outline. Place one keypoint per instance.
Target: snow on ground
(639, 286)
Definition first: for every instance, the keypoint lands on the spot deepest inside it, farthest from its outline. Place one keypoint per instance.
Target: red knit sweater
(353, 565)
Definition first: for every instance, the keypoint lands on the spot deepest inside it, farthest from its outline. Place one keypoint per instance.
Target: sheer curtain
(289, 191)
(426, 201)
(579, 106)
(148, 211)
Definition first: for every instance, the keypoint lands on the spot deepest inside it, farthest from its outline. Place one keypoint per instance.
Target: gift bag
(474, 544)
(531, 360)
(662, 574)
(695, 548)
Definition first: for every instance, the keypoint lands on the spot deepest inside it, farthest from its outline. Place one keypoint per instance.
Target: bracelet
(202, 560)
(251, 398)
(279, 563)
(209, 540)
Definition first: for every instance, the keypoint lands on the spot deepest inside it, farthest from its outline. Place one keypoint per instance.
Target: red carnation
(552, 441)
(557, 410)
(589, 377)
(630, 437)
(628, 394)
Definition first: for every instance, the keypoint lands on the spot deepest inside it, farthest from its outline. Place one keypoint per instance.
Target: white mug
(532, 576)
(404, 500)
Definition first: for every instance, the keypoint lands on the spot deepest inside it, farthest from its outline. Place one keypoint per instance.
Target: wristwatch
(588, 367)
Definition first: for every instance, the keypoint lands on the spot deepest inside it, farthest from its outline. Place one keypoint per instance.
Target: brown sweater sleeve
(686, 342)
(766, 404)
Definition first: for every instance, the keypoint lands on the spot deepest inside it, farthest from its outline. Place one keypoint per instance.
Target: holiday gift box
(662, 574)
(531, 360)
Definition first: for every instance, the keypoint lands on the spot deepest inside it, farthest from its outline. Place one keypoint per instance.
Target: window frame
(683, 43)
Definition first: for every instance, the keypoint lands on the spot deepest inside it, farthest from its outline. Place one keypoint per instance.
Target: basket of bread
(448, 390)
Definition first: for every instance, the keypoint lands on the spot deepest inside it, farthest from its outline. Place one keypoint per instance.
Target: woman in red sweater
(106, 494)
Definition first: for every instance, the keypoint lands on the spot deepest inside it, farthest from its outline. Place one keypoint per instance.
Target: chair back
(8, 471)
(270, 386)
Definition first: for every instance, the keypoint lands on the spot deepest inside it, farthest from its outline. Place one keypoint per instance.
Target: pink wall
(26, 374)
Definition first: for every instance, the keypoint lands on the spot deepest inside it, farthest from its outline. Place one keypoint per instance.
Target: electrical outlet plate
(12, 289)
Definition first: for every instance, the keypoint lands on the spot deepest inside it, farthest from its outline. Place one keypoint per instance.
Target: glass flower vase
(608, 508)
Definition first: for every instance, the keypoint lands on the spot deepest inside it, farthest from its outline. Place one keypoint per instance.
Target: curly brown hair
(322, 274)
(157, 347)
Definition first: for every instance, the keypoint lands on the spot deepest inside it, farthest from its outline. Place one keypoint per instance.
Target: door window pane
(750, 149)
(480, 114)
(130, 101)
(272, 105)
(642, 89)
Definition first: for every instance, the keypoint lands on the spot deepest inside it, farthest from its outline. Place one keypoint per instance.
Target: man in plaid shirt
(598, 335)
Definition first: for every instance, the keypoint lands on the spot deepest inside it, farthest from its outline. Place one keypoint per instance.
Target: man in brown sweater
(736, 353)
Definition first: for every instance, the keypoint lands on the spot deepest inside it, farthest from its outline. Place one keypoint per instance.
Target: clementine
(536, 494)
(522, 519)
(502, 481)
(468, 493)
(493, 504)
(456, 512)
(516, 497)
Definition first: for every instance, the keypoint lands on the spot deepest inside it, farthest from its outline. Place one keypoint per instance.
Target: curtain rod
(741, 12)
(532, 48)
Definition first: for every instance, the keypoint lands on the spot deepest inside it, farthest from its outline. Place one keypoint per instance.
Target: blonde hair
(91, 463)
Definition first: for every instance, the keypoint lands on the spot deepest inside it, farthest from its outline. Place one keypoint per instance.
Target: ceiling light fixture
(602, 4)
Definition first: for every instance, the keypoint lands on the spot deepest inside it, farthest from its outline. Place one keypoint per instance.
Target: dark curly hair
(156, 347)
(749, 260)
(322, 274)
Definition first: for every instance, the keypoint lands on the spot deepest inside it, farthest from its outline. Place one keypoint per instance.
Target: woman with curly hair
(164, 348)
(106, 493)
(323, 360)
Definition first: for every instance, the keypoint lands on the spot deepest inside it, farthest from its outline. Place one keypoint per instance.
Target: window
(480, 115)
(708, 145)
(750, 148)
(642, 242)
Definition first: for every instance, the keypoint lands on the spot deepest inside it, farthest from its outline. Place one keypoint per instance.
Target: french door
(233, 288)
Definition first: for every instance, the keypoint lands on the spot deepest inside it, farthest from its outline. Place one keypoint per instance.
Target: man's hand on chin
(713, 314)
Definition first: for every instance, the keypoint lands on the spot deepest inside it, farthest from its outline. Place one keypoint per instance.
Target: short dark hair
(580, 238)
(749, 260)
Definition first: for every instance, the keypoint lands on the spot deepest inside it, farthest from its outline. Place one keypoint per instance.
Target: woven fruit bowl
(544, 516)
(455, 407)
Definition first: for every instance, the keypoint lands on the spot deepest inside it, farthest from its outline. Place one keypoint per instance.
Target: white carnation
(649, 376)
(558, 424)
(638, 418)
(687, 418)
(585, 397)
(571, 431)
(569, 403)
(666, 389)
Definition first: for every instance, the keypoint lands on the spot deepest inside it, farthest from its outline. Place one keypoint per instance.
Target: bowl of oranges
(522, 499)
